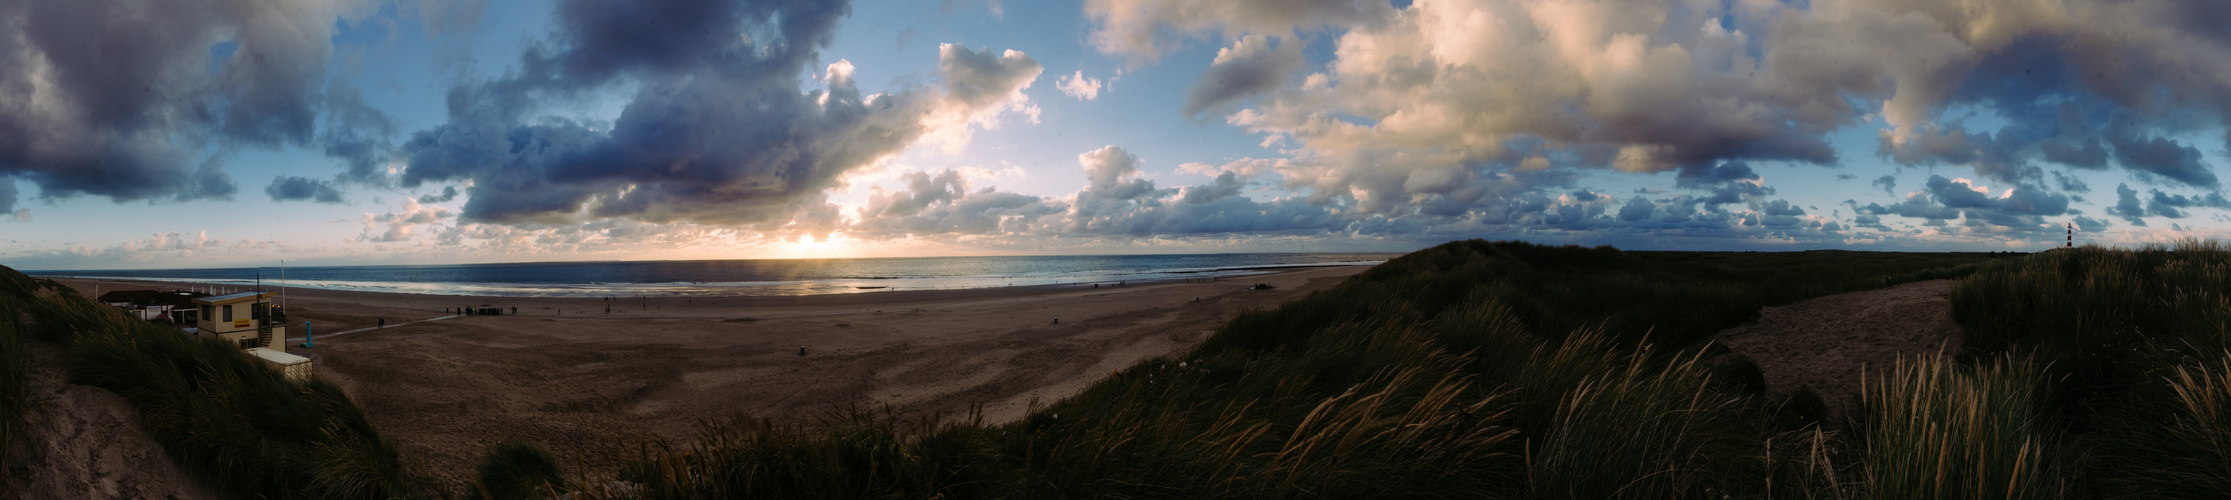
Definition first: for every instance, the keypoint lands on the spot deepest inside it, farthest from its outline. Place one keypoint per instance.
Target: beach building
(294, 368)
(174, 307)
(245, 318)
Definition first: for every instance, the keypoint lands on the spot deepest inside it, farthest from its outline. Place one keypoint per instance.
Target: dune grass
(2136, 342)
(1468, 370)
(222, 416)
(518, 470)
(16, 398)
(1934, 429)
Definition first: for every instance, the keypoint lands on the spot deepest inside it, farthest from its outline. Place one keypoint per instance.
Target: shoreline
(829, 287)
(565, 373)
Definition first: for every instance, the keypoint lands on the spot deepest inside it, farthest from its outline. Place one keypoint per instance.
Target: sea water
(708, 278)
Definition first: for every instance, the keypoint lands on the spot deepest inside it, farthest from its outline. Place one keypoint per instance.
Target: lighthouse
(2072, 235)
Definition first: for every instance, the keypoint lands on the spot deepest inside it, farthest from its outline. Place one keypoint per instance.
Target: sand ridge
(590, 384)
(81, 441)
(1829, 343)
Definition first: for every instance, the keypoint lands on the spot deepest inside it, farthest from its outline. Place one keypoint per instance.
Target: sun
(834, 246)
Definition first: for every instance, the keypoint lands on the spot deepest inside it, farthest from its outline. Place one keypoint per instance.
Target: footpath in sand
(1827, 343)
(587, 383)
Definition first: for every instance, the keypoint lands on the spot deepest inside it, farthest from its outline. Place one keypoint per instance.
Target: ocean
(712, 278)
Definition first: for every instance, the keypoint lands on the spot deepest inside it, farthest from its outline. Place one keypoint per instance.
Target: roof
(173, 298)
(232, 297)
(130, 295)
(277, 356)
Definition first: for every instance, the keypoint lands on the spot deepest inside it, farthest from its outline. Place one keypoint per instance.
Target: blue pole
(308, 335)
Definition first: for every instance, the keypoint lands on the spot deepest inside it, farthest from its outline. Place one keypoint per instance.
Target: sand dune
(585, 382)
(1829, 344)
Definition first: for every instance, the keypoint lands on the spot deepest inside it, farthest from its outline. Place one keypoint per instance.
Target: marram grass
(1932, 429)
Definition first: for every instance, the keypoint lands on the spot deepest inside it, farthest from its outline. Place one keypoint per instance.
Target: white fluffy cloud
(1079, 86)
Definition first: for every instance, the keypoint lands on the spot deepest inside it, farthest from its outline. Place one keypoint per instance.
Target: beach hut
(244, 318)
(295, 368)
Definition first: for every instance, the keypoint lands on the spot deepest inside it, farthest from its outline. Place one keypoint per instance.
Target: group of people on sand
(479, 311)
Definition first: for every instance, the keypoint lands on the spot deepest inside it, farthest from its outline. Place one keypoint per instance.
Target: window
(228, 312)
(206, 312)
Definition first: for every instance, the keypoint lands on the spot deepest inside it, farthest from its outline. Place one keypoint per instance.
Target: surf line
(380, 327)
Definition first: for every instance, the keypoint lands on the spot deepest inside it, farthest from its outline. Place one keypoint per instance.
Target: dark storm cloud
(128, 99)
(2076, 102)
(717, 130)
(291, 188)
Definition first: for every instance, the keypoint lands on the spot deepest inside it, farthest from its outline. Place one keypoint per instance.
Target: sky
(195, 133)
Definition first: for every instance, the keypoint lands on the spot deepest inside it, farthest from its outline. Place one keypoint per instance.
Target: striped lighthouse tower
(2072, 235)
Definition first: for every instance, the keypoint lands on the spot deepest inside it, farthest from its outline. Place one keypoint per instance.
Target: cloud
(1139, 28)
(401, 224)
(2174, 206)
(1249, 67)
(981, 87)
(1421, 107)
(162, 247)
(1888, 184)
(2071, 183)
(1078, 86)
(2127, 206)
(292, 188)
(141, 100)
(1730, 182)
(448, 193)
(2015, 210)
(2164, 158)
(2090, 225)
(717, 130)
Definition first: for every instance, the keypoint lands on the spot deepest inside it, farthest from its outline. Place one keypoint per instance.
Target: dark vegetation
(2133, 343)
(518, 470)
(16, 398)
(221, 416)
(1471, 369)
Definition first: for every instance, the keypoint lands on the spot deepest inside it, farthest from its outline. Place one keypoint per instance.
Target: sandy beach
(585, 382)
